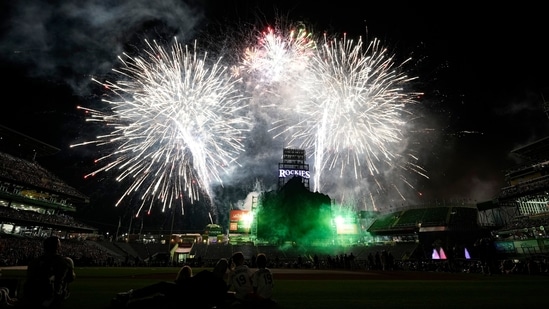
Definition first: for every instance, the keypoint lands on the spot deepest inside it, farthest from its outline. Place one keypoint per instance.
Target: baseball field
(318, 289)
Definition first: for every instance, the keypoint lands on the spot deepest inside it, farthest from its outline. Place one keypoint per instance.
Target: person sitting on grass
(209, 287)
(160, 293)
(5, 298)
(48, 277)
(263, 283)
(240, 280)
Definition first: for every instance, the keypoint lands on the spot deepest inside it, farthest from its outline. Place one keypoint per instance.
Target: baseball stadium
(301, 232)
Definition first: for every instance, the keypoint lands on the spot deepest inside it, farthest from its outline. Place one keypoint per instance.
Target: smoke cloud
(71, 41)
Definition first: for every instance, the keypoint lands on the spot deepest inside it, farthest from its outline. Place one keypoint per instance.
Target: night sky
(483, 72)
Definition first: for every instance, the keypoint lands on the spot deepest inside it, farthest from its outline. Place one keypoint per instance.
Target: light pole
(118, 228)
(170, 257)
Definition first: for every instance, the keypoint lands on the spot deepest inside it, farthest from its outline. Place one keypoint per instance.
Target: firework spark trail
(176, 126)
(280, 56)
(355, 115)
(347, 106)
(177, 123)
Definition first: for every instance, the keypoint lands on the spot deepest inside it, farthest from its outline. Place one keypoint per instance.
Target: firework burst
(177, 120)
(280, 56)
(356, 111)
(176, 124)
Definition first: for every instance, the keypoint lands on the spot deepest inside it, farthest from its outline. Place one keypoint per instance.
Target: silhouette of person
(213, 283)
(162, 292)
(262, 282)
(240, 279)
(48, 277)
(207, 288)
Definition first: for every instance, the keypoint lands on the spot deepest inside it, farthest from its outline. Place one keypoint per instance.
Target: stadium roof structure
(25, 185)
(445, 218)
(17, 143)
(534, 151)
(24, 180)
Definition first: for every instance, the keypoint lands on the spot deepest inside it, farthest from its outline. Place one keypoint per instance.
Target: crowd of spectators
(22, 171)
(18, 251)
(525, 227)
(33, 217)
(530, 186)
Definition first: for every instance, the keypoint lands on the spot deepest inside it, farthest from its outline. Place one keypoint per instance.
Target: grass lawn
(94, 288)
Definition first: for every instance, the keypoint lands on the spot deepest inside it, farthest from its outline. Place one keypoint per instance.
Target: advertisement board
(240, 221)
(347, 229)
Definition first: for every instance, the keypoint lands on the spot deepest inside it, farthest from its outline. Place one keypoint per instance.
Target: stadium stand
(34, 203)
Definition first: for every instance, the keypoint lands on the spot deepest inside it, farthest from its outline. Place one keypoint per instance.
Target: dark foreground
(95, 287)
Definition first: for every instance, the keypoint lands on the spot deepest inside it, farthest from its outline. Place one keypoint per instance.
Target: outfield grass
(95, 287)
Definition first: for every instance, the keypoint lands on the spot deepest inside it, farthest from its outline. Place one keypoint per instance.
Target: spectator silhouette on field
(183, 274)
(48, 277)
(211, 286)
(263, 283)
(383, 258)
(5, 299)
(240, 280)
(160, 293)
(371, 262)
(377, 260)
(207, 288)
